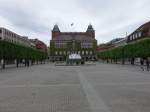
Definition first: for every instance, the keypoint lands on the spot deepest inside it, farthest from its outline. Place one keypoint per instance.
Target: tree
(11, 51)
(137, 49)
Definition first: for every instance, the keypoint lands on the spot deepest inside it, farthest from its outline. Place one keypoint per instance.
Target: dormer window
(136, 35)
(131, 37)
(139, 34)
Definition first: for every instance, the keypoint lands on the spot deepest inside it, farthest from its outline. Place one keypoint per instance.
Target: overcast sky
(110, 18)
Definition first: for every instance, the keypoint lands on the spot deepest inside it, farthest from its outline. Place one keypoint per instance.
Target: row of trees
(11, 51)
(130, 51)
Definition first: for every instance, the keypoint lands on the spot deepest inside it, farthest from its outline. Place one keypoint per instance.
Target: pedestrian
(147, 64)
(142, 64)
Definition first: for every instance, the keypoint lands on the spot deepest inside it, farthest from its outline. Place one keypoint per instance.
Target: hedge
(137, 49)
(15, 51)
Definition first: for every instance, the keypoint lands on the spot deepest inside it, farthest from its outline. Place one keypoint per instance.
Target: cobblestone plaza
(96, 88)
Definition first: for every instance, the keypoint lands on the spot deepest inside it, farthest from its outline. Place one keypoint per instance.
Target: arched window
(140, 34)
(82, 52)
(91, 52)
(87, 52)
(78, 52)
(60, 52)
(64, 52)
(56, 52)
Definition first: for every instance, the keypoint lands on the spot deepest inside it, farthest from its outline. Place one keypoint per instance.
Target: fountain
(74, 59)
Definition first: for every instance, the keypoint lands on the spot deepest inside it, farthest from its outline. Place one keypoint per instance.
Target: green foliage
(137, 49)
(14, 51)
(95, 44)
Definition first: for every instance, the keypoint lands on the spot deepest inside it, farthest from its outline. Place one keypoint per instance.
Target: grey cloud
(23, 19)
(110, 19)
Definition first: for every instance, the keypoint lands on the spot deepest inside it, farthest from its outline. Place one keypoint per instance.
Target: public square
(88, 88)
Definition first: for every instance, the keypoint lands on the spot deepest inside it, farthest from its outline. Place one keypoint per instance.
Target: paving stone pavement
(95, 88)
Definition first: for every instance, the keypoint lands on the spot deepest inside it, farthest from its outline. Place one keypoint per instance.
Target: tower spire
(90, 28)
(55, 31)
(90, 31)
(56, 28)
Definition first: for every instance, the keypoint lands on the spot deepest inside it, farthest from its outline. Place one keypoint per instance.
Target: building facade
(39, 44)
(104, 47)
(142, 32)
(63, 44)
(7, 35)
(114, 40)
(121, 42)
(118, 42)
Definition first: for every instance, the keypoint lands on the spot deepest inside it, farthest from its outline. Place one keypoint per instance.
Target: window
(82, 52)
(78, 52)
(87, 52)
(60, 52)
(86, 45)
(91, 52)
(132, 37)
(64, 52)
(140, 34)
(60, 44)
(136, 35)
(0, 30)
(56, 53)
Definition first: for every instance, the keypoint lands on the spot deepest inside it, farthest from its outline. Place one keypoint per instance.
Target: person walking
(142, 64)
(147, 64)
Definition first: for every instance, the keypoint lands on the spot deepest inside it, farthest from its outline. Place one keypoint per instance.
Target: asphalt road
(96, 88)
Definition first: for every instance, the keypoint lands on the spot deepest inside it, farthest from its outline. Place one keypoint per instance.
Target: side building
(63, 44)
(7, 35)
(117, 42)
(39, 44)
(140, 33)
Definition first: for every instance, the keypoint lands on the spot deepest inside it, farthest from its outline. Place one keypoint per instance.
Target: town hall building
(64, 44)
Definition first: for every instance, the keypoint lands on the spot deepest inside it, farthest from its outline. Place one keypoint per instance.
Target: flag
(72, 24)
